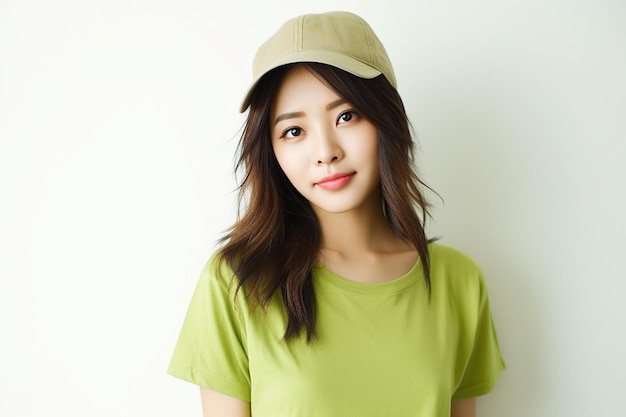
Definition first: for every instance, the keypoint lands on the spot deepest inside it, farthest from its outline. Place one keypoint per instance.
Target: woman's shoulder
(453, 267)
(217, 270)
(451, 257)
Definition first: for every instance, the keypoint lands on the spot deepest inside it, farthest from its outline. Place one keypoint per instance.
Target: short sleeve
(211, 348)
(484, 364)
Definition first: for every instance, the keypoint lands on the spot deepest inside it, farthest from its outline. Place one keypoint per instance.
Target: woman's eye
(292, 132)
(345, 117)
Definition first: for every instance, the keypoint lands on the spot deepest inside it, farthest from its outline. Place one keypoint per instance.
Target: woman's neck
(360, 246)
(361, 230)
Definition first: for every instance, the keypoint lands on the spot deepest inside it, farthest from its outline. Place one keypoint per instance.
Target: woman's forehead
(301, 87)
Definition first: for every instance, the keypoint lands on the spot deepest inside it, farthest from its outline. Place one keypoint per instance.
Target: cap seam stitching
(369, 43)
(299, 34)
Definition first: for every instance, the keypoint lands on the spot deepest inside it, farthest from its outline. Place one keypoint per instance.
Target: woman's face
(327, 150)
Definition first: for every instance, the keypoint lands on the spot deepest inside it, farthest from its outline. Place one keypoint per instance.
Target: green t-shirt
(381, 349)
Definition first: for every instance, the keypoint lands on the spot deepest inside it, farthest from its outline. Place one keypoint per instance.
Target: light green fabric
(382, 349)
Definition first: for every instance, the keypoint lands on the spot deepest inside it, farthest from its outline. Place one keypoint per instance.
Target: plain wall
(118, 121)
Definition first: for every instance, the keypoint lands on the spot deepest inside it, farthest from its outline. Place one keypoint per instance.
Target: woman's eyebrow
(285, 116)
(335, 103)
(293, 115)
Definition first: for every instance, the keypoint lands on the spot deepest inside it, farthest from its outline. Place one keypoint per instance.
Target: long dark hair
(274, 244)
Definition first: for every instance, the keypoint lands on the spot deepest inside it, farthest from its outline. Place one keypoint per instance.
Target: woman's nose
(327, 149)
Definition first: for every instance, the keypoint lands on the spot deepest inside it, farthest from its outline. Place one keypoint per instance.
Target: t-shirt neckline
(324, 275)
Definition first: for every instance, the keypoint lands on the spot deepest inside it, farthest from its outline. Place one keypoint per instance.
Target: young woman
(326, 297)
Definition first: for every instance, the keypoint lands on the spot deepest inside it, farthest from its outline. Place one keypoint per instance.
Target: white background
(118, 121)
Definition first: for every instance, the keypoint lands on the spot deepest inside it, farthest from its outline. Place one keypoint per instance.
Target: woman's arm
(216, 404)
(464, 408)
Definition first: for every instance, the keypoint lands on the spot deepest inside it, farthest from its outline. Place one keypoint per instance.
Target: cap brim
(346, 63)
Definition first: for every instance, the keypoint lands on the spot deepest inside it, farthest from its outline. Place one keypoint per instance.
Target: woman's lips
(335, 181)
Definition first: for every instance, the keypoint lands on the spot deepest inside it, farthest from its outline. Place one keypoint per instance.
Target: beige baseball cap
(341, 39)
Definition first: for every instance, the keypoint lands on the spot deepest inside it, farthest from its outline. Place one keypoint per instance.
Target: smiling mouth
(335, 182)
